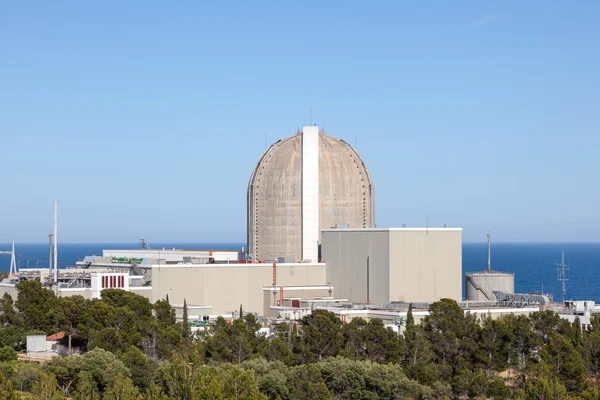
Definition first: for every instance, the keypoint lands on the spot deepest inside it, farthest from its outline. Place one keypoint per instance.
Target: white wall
(310, 193)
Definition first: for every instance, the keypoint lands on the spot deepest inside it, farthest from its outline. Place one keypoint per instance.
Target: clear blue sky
(145, 119)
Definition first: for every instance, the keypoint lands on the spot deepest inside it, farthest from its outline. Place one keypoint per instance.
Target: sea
(534, 265)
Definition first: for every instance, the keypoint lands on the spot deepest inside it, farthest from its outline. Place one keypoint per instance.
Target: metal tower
(562, 276)
(13, 264)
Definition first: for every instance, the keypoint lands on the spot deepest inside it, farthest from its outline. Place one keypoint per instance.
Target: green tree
(121, 388)
(522, 341)
(86, 388)
(545, 323)
(565, 361)
(35, 303)
(6, 390)
(492, 344)
(164, 313)
(8, 314)
(321, 336)
(155, 392)
(70, 313)
(13, 336)
(410, 320)
(142, 369)
(101, 366)
(306, 383)
(453, 336)
(577, 333)
(7, 354)
(46, 388)
(186, 329)
(590, 350)
(371, 341)
(233, 343)
(241, 384)
(274, 384)
(418, 357)
(544, 385)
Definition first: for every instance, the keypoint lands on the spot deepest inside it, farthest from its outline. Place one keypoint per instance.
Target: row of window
(113, 282)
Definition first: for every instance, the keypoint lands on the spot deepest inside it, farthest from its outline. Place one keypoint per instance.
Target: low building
(225, 287)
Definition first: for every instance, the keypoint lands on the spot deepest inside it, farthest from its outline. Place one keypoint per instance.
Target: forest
(133, 349)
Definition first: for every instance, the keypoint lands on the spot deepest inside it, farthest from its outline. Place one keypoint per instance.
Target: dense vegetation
(134, 350)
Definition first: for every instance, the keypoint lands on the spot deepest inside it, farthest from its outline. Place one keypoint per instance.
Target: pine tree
(576, 332)
(186, 326)
(167, 299)
(241, 312)
(410, 320)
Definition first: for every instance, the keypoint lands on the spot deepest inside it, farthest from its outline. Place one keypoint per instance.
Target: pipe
(55, 243)
(274, 273)
(281, 295)
(489, 253)
(50, 253)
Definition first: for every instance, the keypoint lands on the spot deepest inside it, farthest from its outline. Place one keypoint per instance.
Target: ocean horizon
(534, 264)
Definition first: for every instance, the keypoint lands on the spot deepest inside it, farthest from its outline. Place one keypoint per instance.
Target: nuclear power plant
(312, 243)
(302, 184)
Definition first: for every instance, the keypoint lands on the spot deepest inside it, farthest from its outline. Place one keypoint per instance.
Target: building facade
(395, 264)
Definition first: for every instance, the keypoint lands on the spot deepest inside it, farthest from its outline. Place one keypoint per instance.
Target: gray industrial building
(302, 184)
(403, 264)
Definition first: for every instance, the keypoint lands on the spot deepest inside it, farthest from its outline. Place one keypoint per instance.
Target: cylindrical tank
(481, 285)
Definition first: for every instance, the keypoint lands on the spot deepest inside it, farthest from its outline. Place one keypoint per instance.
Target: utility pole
(55, 280)
(50, 243)
(489, 253)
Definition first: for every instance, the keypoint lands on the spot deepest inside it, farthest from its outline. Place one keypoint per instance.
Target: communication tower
(562, 275)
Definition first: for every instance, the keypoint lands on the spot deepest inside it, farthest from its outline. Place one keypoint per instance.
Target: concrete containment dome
(302, 184)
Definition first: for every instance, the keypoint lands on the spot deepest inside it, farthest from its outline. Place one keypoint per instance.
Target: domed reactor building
(302, 184)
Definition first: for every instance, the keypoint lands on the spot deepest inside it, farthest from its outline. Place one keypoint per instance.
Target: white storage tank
(481, 285)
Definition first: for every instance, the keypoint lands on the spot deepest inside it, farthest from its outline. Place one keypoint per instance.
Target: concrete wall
(345, 253)
(226, 286)
(406, 264)
(425, 265)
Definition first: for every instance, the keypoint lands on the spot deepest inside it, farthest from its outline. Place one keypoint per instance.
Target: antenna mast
(55, 280)
(50, 243)
(489, 253)
(562, 276)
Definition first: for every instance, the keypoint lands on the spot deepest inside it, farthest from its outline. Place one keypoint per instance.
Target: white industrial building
(394, 264)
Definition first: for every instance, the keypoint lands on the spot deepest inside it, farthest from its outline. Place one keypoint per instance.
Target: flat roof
(237, 264)
(391, 229)
(171, 250)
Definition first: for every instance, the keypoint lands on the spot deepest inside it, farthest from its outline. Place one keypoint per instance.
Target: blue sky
(145, 119)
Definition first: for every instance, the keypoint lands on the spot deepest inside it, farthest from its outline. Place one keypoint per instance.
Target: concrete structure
(174, 255)
(108, 280)
(405, 264)
(482, 285)
(225, 286)
(304, 183)
(36, 344)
